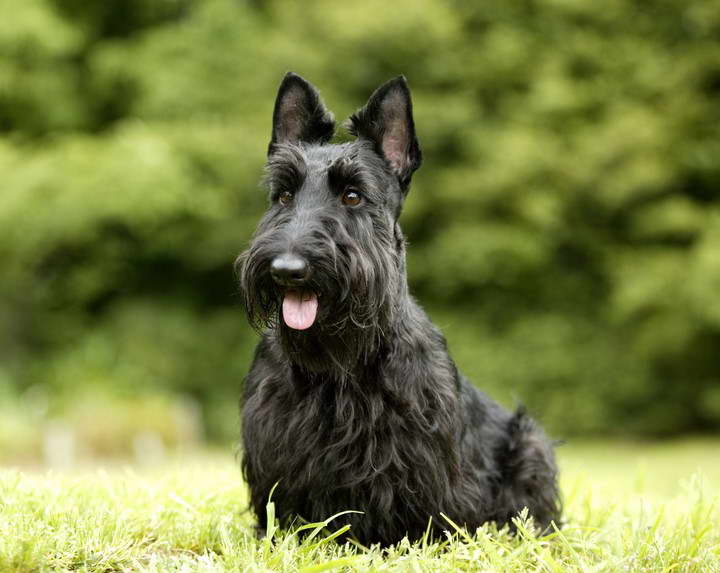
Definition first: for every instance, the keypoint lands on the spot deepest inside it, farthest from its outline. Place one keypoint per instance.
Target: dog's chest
(338, 437)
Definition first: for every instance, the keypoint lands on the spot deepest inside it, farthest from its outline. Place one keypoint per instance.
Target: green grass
(629, 507)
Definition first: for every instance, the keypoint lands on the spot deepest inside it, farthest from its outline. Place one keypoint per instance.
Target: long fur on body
(365, 410)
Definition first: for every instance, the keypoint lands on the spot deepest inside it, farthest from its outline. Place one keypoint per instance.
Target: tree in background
(565, 226)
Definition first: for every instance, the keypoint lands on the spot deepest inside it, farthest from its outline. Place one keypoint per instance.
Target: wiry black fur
(365, 410)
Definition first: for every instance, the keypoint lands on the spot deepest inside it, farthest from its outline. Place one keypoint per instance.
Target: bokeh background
(564, 229)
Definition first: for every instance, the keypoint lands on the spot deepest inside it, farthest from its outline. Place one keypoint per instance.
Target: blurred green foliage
(564, 229)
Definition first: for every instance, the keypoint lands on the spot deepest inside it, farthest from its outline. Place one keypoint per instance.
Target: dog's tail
(529, 473)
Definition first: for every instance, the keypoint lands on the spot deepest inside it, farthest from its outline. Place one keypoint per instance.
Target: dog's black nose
(289, 270)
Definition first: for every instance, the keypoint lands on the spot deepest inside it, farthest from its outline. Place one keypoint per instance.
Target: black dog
(352, 401)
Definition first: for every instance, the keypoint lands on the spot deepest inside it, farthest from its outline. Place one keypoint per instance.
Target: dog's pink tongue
(299, 309)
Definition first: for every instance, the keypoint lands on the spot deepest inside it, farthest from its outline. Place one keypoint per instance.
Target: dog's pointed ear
(299, 115)
(387, 121)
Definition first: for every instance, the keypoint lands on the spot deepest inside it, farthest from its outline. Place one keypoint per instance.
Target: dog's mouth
(299, 308)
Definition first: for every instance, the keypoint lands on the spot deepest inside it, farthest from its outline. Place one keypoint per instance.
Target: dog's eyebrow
(345, 170)
(285, 168)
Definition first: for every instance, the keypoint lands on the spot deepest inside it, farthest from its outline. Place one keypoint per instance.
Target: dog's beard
(321, 330)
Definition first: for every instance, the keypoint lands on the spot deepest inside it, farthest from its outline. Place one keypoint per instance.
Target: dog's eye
(351, 197)
(285, 198)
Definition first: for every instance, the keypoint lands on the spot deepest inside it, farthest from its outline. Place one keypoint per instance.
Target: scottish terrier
(352, 401)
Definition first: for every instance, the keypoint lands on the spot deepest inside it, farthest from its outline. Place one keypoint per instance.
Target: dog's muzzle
(299, 307)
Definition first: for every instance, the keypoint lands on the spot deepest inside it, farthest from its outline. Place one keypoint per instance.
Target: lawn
(629, 507)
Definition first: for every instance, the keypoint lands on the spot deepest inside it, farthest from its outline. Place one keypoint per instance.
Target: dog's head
(328, 254)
